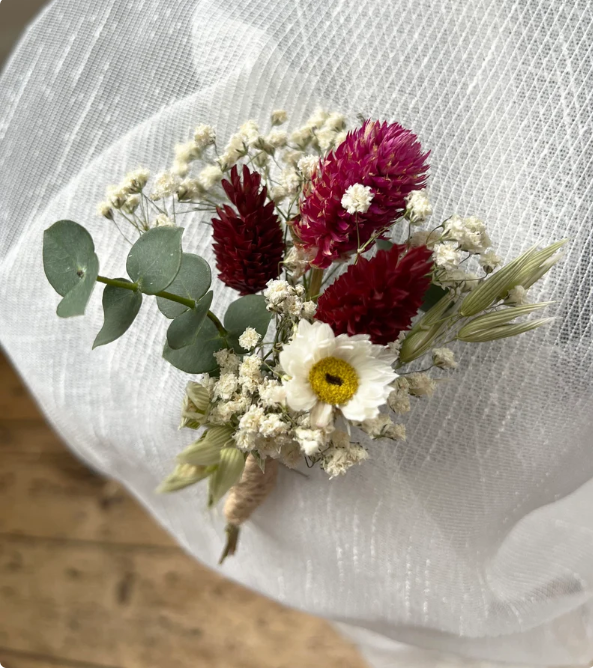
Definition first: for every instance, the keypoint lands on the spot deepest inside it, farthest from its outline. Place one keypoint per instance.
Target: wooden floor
(87, 579)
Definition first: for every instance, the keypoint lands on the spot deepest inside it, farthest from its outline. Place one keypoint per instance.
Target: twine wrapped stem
(245, 497)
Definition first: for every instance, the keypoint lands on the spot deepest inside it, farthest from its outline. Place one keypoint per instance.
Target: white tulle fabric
(475, 537)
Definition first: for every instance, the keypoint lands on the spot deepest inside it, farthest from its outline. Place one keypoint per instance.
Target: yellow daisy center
(333, 380)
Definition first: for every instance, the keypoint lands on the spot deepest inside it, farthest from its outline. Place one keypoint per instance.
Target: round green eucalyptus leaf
(185, 328)
(74, 302)
(247, 311)
(155, 259)
(192, 281)
(199, 356)
(120, 307)
(68, 249)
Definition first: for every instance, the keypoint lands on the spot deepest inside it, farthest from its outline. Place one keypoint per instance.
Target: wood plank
(20, 660)
(31, 436)
(148, 608)
(15, 401)
(54, 495)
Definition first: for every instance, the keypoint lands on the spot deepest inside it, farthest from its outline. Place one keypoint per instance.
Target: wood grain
(53, 495)
(147, 607)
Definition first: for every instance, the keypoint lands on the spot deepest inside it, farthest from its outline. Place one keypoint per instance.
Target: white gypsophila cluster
(311, 441)
(418, 207)
(290, 181)
(307, 165)
(210, 176)
(136, 180)
(250, 376)
(278, 117)
(277, 138)
(273, 425)
(469, 233)
(323, 131)
(163, 220)
(421, 384)
(227, 361)
(357, 198)
(272, 393)
(292, 157)
(283, 298)
(124, 195)
(166, 184)
(204, 135)
(424, 238)
(459, 279)
(223, 412)
(490, 260)
(342, 455)
(250, 132)
(278, 194)
(234, 149)
(399, 398)
(249, 339)
(518, 296)
(104, 209)
(443, 357)
(325, 138)
(297, 261)
(447, 255)
(132, 204)
(226, 385)
(276, 292)
(383, 427)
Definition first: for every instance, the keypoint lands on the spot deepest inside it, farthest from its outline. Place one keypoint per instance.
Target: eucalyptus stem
(188, 302)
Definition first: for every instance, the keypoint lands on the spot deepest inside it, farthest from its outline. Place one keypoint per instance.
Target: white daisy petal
(366, 373)
(321, 415)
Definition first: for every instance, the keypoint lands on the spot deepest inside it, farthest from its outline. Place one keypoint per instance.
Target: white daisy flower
(328, 371)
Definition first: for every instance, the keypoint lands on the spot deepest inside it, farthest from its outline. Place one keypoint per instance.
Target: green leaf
(183, 476)
(228, 473)
(70, 265)
(206, 450)
(432, 297)
(155, 259)
(192, 281)
(120, 307)
(74, 302)
(67, 249)
(242, 313)
(199, 356)
(185, 328)
(384, 244)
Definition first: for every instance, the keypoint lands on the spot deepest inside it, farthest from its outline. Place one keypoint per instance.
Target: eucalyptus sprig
(156, 266)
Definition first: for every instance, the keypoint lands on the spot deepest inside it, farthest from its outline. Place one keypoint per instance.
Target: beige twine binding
(245, 497)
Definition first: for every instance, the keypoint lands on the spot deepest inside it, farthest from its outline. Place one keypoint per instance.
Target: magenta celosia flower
(385, 157)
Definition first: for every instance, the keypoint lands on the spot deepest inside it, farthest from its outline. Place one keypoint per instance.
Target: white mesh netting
(475, 537)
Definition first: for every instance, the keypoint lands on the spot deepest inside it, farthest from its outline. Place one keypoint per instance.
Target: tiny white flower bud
(278, 117)
(357, 198)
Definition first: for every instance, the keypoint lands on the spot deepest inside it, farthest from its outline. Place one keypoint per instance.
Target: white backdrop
(476, 536)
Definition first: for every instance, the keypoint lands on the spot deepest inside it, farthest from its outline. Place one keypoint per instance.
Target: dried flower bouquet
(349, 297)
